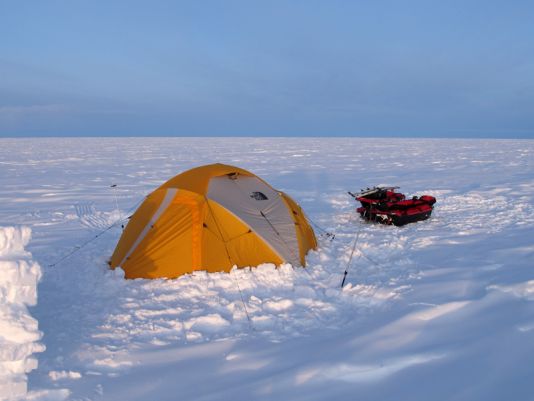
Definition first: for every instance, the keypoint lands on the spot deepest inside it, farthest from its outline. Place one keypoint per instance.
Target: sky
(267, 68)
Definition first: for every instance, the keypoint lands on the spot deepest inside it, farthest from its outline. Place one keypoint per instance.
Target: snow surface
(18, 329)
(437, 310)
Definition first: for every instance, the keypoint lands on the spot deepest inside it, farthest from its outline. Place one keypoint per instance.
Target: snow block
(13, 240)
(19, 334)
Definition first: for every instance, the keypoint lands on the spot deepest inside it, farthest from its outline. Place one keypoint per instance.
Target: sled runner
(384, 205)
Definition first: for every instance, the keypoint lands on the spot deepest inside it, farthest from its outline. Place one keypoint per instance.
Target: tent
(212, 218)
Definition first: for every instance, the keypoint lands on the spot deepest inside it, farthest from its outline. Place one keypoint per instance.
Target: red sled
(384, 205)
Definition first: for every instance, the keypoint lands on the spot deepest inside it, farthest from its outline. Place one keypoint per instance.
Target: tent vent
(259, 196)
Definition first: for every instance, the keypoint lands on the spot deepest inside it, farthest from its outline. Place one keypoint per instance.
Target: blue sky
(269, 68)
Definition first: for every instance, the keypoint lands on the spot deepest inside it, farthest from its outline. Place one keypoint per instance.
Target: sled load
(384, 205)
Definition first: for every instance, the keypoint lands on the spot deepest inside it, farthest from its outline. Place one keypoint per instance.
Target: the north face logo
(259, 196)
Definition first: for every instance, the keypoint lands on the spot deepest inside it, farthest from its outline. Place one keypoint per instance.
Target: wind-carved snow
(424, 306)
(522, 290)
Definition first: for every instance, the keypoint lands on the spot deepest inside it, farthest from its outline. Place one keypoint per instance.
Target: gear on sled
(384, 205)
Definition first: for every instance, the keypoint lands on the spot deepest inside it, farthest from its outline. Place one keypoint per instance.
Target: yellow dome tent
(212, 218)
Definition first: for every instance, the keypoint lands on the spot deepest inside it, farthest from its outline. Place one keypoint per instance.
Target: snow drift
(19, 334)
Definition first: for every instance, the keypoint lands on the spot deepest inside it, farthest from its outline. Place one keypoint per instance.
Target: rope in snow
(78, 248)
(232, 263)
(331, 236)
(114, 186)
(243, 302)
(351, 254)
(371, 260)
(360, 253)
(327, 234)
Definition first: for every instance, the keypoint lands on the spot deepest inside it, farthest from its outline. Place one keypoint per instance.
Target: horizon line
(29, 136)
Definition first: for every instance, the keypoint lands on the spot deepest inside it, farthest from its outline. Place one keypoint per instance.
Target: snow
(18, 329)
(440, 309)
